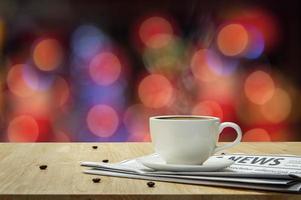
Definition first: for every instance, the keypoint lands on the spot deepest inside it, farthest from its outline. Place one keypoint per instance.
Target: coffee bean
(96, 180)
(105, 160)
(150, 184)
(94, 147)
(42, 167)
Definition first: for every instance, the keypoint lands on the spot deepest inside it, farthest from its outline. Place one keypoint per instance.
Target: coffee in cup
(189, 139)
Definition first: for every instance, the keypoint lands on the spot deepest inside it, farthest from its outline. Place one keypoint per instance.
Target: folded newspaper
(265, 172)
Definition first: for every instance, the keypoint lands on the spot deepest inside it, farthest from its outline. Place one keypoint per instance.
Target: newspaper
(265, 172)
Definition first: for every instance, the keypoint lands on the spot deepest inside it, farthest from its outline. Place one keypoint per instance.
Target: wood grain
(21, 178)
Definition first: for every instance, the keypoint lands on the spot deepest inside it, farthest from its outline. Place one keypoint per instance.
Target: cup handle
(235, 142)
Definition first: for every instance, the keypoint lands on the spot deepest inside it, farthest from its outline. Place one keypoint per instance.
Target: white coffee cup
(189, 139)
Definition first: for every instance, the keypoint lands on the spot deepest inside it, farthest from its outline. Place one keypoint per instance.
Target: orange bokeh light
(102, 120)
(208, 108)
(47, 54)
(259, 87)
(38, 104)
(18, 85)
(156, 32)
(23, 128)
(278, 107)
(155, 91)
(201, 66)
(105, 68)
(232, 39)
(256, 135)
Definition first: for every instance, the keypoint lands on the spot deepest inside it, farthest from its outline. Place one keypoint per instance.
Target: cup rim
(208, 118)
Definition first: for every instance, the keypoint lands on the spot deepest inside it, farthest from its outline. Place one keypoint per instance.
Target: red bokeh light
(102, 120)
(259, 87)
(232, 39)
(256, 135)
(105, 68)
(156, 32)
(155, 91)
(47, 54)
(23, 128)
(208, 108)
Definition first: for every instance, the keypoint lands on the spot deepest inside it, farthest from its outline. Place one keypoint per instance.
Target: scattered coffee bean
(105, 160)
(94, 147)
(42, 167)
(223, 153)
(150, 184)
(96, 180)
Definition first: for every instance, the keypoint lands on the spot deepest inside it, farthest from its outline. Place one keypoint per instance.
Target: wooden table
(21, 178)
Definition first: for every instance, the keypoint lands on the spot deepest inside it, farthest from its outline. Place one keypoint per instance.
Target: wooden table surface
(21, 178)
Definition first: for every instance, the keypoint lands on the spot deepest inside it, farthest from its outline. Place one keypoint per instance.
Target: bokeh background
(97, 70)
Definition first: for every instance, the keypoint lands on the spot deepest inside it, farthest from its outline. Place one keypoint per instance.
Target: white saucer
(155, 162)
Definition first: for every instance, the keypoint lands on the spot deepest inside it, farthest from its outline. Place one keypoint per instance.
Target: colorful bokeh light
(232, 39)
(102, 120)
(259, 87)
(205, 65)
(156, 32)
(47, 54)
(256, 44)
(17, 83)
(105, 68)
(264, 21)
(23, 128)
(167, 60)
(99, 75)
(256, 135)
(155, 91)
